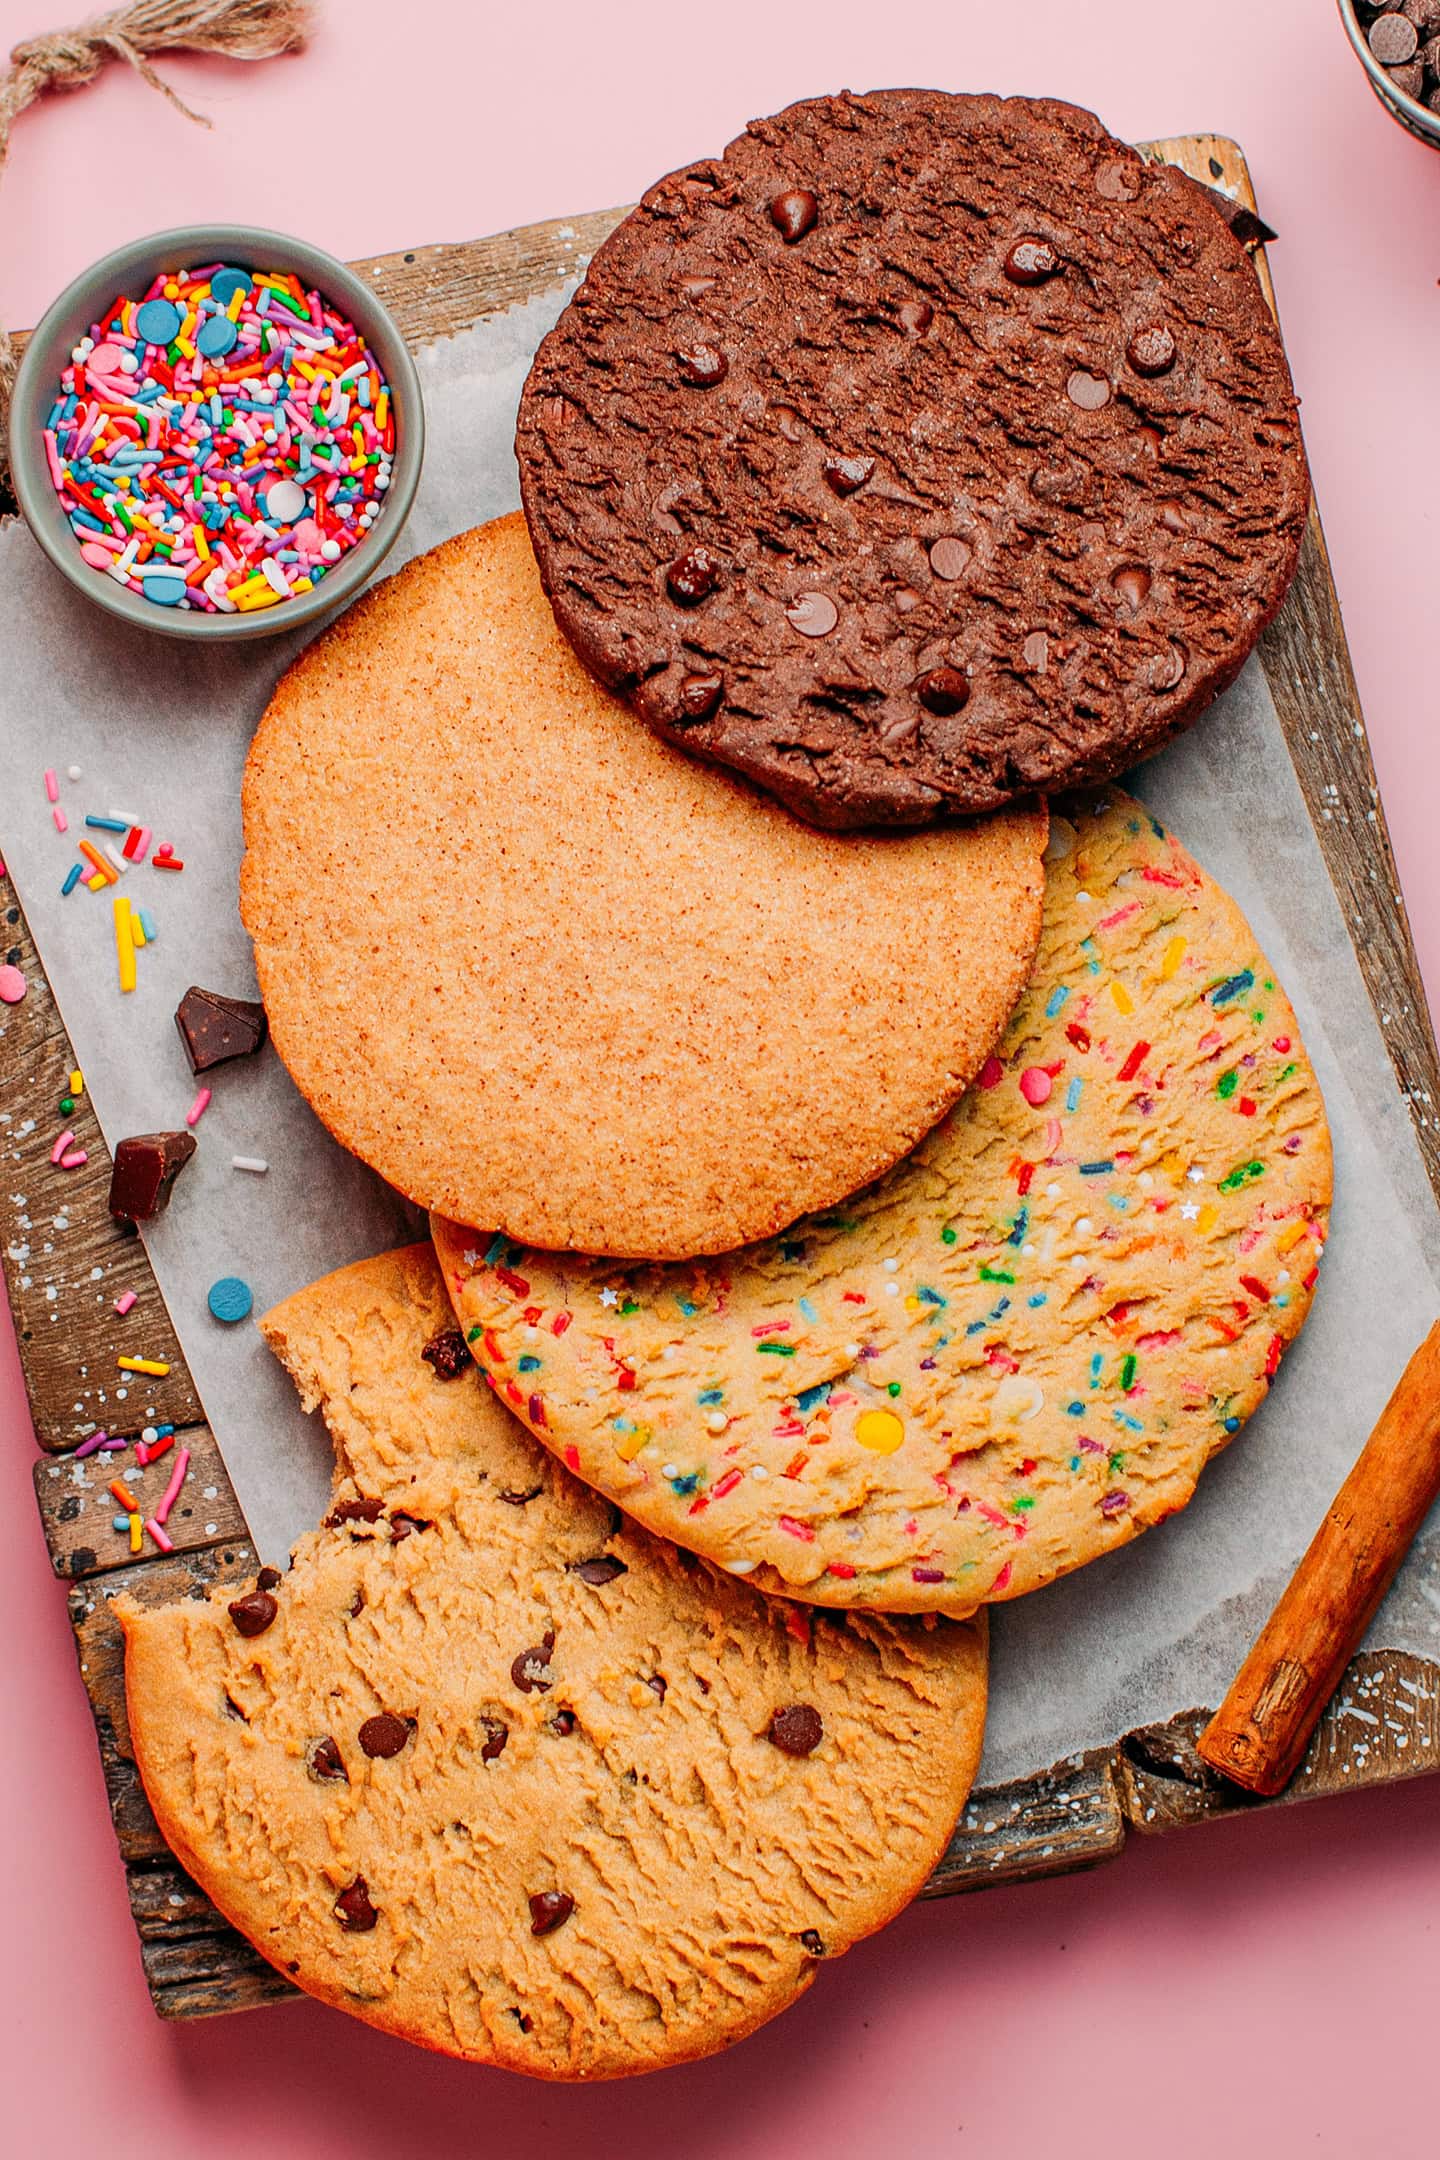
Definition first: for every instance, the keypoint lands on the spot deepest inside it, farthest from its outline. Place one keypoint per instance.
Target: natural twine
(68, 59)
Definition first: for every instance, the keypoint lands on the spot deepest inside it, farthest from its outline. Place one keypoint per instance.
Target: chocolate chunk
(695, 288)
(845, 474)
(699, 696)
(562, 1723)
(531, 1670)
(1167, 668)
(692, 577)
(402, 1525)
(550, 1909)
(811, 1940)
(601, 1570)
(1031, 262)
(942, 691)
(1035, 652)
(324, 1763)
(797, 1729)
(1425, 14)
(357, 1604)
(658, 1684)
(354, 1511)
(448, 1353)
(1132, 583)
(1248, 227)
(233, 1709)
(1089, 392)
(146, 1167)
(702, 365)
(1393, 38)
(915, 316)
(215, 1029)
(1411, 79)
(254, 1612)
(268, 1579)
(354, 1910)
(383, 1735)
(813, 614)
(793, 213)
(1119, 181)
(496, 1735)
(789, 422)
(949, 558)
(514, 1498)
(1151, 350)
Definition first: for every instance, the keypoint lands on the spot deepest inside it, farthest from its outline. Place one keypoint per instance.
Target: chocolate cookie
(506, 1776)
(918, 452)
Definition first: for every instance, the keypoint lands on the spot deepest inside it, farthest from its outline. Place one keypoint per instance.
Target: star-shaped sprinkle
(1189, 1211)
(1194, 1173)
(609, 1296)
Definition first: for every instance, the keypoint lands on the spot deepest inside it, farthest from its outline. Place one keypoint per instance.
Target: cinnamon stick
(1262, 1728)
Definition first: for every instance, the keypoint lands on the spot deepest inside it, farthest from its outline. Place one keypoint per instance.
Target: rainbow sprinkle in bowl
(217, 432)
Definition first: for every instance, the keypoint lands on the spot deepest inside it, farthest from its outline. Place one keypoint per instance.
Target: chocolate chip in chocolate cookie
(915, 316)
(324, 1763)
(797, 1729)
(1132, 584)
(813, 614)
(702, 366)
(699, 696)
(448, 1353)
(692, 577)
(354, 1910)
(550, 1909)
(1090, 392)
(846, 474)
(254, 1612)
(942, 691)
(950, 557)
(1151, 350)
(1031, 262)
(793, 213)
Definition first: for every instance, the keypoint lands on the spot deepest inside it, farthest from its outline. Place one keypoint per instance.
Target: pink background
(1268, 1986)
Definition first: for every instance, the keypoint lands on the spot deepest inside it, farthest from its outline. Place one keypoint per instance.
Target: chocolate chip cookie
(1021, 1347)
(918, 452)
(506, 1776)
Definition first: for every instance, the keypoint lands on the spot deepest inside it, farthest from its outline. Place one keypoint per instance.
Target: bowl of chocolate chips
(1398, 45)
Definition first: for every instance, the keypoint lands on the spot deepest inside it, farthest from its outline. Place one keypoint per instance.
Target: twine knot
(62, 61)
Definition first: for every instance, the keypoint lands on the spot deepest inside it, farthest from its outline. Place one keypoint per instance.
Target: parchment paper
(161, 731)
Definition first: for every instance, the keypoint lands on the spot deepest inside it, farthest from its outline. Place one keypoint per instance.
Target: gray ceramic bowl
(1415, 118)
(129, 270)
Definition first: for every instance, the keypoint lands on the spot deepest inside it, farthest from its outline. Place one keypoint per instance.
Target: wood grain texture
(1384, 1723)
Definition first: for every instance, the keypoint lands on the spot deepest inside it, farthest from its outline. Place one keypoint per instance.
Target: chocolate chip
(215, 1029)
(813, 614)
(702, 365)
(692, 577)
(253, 1613)
(268, 1579)
(949, 558)
(354, 1511)
(789, 422)
(354, 1910)
(1031, 262)
(550, 1909)
(233, 1709)
(1151, 351)
(1411, 79)
(496, 1735)
(845, 474)
(811, 1940)
(699, 695)
(1087, 391)
(1167, 668)
(144, 1173)
(525, 2023)
(601, 1570)
(383, 1735)
(694, 288)
(357, 1604)
(1171, 514)
(531, 1670)
(563, 1723)
(1035, 652)
(942, 691)
(1117, 182)
(401, 1525)
(797, 1729)
(1392, 39)
(1132, 583)
(448, 1354)
(793, 213)
(657, 1683)
(513, 1498)
(324, 1763)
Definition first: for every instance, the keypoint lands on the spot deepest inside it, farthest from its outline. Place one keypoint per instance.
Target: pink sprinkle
(124, 1302)
(64, 1141)
(62, 823)
(75, 1161)
(992, 1072)
(795, 1529)
(1036, 1085)
(172, 1490)
(1002, 1580)
(1123, 914)
(197, 1108)
(91, 1446)
(52, 785)
(165, 1543)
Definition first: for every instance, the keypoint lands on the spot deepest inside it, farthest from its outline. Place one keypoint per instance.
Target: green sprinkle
(1127, 1373)
(776, 1349)
(994, 1274)
(892, 1387)
(1243, 1174)
(1226, 1085)
(473, 1334)
(1117, 1463)
(948, 1235)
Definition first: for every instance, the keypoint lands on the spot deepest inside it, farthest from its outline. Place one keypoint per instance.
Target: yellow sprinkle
(201, 544)
(1291, 1236)
(137, 928)
(1123, 1001)
(156, 1367)
(629, 1444)
(77, 1082)
(237, 302)
(185, 346)
(1208, 1217)
(96, 883)
(1173, 1166)
(382, 408)
(136, 1527)
(124, 941)
(303, 584)
(1174, 954)
(249, 601)
(880, 1431)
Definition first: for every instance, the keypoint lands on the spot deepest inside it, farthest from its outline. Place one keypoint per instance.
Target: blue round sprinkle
(215, 336)
(230, 1299)
(119, 1522)
(164, 588)
(226, 283)
(157, 321)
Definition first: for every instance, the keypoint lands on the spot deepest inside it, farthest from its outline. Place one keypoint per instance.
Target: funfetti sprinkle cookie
(917, 452)
(1019, 1348)
(504, 1775)
(541, 972)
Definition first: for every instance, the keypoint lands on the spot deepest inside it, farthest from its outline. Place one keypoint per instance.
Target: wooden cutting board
(1071, 1817)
